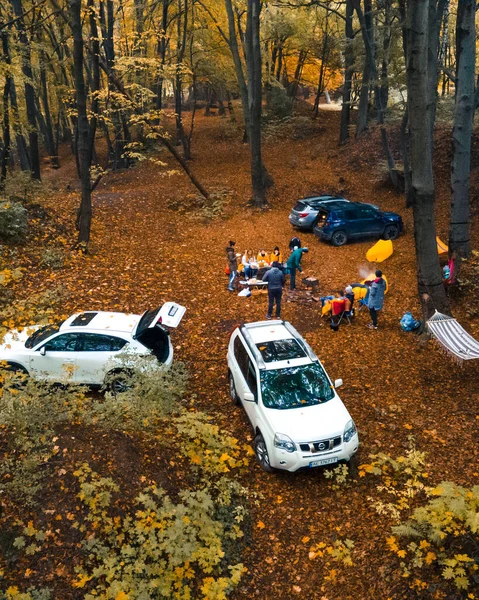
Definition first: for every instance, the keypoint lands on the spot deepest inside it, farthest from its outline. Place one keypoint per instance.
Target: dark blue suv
(339, 222)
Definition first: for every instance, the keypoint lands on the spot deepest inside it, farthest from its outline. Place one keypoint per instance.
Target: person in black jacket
(275, 279)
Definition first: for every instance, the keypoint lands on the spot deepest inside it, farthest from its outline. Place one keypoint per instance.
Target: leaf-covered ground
(151, 243)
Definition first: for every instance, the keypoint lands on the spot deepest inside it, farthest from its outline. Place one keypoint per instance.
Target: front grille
(321, 445)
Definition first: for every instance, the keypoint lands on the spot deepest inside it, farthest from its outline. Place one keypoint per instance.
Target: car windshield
(42, 334)
(280, 350)
(295, 387)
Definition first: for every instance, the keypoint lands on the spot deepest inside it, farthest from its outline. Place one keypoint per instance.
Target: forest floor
(151, 243)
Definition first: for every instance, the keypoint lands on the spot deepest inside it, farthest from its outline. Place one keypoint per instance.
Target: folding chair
(340, 309)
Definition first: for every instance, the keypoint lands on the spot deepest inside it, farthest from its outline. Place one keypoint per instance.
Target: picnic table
(256, 286)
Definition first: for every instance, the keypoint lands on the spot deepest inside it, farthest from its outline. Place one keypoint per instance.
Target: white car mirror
(338, 383)
(249, 397)
(43, 350)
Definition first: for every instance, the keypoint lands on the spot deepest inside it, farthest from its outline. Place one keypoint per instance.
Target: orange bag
(227, 270)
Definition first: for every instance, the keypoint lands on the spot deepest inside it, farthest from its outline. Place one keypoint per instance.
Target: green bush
(278, 103)
(160, 548)
(29, 413)
(13, 221)
(53, 258)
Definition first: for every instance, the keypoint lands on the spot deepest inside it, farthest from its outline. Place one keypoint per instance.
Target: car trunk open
(152, 332)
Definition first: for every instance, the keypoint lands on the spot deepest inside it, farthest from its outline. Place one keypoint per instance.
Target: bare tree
(462, 132)
(421, 116)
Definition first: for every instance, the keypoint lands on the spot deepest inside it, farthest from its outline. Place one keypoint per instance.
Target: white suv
(90, 347)
(298, 418)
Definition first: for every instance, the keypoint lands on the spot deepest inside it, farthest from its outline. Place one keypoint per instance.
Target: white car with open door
(89, 347)
(299, 421)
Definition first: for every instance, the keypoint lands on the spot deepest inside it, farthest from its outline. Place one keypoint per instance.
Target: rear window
(299, 206)
(280, 350)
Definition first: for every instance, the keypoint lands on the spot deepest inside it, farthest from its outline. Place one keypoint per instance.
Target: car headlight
(349, 431)
(284, 442)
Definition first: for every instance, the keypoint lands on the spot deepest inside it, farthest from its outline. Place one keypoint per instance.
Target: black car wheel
(339, 238)
(233, 395)
(261, 452)
(391, 232)
(118, 382)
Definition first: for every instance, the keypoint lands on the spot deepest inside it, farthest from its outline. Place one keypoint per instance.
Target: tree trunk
(386, 54)
(161, 51)
(182, 28)
(363, 108)
(49, 136)
(29, 89)
(82, 146)
(462, 133)
(21, 144)
(429, 275)
(253, 60)
(5, 154)
(348, 75)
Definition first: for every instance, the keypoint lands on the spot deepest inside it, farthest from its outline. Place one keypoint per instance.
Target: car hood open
(310, 423)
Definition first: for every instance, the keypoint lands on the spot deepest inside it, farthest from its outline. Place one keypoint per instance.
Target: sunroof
(83, 319)
(280, 350)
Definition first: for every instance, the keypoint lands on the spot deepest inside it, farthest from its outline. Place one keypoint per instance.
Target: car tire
(391, 232)
(339, 238)
(18, 371)
(118, 382)
(233, 395)
(261, 452)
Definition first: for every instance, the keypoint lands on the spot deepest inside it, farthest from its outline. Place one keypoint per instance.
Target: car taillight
(302, 215)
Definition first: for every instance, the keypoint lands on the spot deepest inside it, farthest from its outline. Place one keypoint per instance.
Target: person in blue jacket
(293, 263)
(376, 298)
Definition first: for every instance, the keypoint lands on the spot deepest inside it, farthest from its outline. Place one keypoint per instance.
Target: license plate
(324, 461)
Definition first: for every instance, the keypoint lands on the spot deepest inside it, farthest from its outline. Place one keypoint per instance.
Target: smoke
(365, 272)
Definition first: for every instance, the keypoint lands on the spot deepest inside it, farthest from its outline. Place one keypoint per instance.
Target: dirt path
(143, 253)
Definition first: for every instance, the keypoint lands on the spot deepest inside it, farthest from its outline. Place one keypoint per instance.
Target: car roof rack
(302, 342)
(252, 346)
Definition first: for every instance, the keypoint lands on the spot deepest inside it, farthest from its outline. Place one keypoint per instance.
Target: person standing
(376, 298)
(293, 263)
(294, 243)
(275, 279)
(232, 264)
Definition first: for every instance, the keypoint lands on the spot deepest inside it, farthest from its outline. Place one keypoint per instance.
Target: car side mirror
(43, 350)
(249, 397)
(338, 383)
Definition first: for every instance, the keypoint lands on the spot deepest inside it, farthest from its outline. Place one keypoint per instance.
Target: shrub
(20, 185)
(278, 103)
(437, 531)
(53, 258)
(151, 395)
(13, 221)
(160, 548)
(29, 412)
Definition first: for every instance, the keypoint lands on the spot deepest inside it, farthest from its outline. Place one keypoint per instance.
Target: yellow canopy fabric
(441, 246)
(380, 251)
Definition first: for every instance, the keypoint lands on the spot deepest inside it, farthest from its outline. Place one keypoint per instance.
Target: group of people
(273, 272)
(269, 266)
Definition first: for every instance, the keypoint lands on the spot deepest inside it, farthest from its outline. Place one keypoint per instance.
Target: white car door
(96, 355)
(56, 358)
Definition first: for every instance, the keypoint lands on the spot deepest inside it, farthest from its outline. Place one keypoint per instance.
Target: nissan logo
(322, 446)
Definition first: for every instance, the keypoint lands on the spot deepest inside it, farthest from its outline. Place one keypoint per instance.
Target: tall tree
(253, 62)
(421, 115)
(29, 89)
(459, 244)
(83, 148)
(348, 74)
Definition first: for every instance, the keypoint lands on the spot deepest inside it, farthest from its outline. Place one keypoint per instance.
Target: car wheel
(339, 238)
(391, 232)
(118, 382)
(233, 395)
(261, 452)
(19, 373)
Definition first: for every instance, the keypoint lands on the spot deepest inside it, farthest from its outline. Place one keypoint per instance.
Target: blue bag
(408, 322)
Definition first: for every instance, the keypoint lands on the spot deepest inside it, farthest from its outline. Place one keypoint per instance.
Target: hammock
(453, 337)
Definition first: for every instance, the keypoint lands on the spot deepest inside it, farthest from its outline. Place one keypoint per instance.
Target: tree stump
(311, 282)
